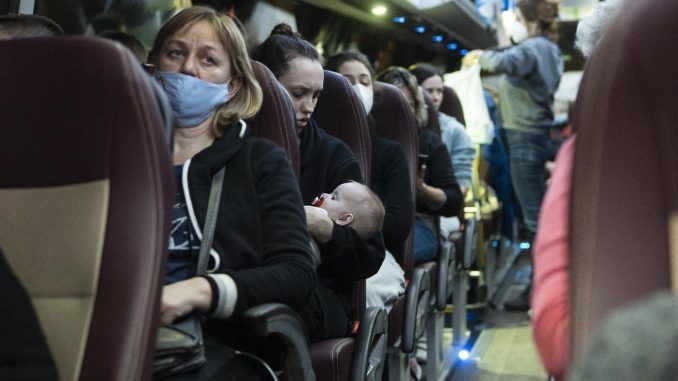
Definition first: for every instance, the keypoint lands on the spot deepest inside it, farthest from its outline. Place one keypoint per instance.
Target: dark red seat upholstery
(394, 120)
(433, 124)
(340, 113)
(277, 324)
(625, 183)
(451, 105)
(86, 193)
(275, 120)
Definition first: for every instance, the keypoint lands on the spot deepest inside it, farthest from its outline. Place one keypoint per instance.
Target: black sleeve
(397, 199)
(347, 257)
(23, 353)
(287, 274)
(441, 175)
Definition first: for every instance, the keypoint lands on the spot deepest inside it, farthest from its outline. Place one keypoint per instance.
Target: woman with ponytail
(326, 162)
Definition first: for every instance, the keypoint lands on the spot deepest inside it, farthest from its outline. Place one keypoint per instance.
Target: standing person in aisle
(533, 70)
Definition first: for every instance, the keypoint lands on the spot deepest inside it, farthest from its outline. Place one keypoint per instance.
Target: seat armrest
(369, 351)
(445, 269)
(470, 241)
(416, 306)
(280, 320)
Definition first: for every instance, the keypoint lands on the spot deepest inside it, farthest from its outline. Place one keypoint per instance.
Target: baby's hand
(319, 223)
(315, 209)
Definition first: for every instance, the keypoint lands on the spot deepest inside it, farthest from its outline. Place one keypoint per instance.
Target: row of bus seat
(86, 197)
(86, 193)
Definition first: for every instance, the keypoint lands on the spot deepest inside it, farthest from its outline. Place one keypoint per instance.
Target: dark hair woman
(438, 193)
(326, 162)
(390, 179)
(452, 133)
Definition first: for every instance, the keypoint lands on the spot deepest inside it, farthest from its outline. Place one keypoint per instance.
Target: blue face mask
(192, 99)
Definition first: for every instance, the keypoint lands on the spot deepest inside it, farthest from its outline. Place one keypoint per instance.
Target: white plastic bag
(469, 88)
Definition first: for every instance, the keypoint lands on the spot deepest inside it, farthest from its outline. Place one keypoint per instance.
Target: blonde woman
(260, 252)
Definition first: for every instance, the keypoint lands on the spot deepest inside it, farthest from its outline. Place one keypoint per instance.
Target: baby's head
(353, 204)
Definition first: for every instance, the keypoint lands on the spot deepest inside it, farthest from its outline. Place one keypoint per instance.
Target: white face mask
(365, 94)
(518, 32)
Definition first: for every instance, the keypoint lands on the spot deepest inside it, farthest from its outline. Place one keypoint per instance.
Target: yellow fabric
(481, 194)
(480, 203)
(489, 203)
(53, 239)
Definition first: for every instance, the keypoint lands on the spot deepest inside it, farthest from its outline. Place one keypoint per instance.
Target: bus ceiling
(452, 19)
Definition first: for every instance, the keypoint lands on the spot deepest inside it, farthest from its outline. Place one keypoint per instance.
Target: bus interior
(87, 190)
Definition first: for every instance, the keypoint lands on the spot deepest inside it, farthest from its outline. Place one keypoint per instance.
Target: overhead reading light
(437, 38)
(399, 19)
(452, 46)
(379, 10)
(420, 29)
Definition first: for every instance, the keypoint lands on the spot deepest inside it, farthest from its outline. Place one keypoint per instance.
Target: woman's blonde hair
(247, 100)
(399, 76)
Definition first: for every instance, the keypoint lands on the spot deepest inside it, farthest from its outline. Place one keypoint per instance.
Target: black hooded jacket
(327, 162)
(261, 239)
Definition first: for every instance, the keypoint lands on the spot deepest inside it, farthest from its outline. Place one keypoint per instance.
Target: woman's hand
(471, 58)
(319, 223)
(434, 198)
(181, 298)
(421, 173)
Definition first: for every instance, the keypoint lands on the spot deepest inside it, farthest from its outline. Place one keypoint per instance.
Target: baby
(351, 204)
(355, 205)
